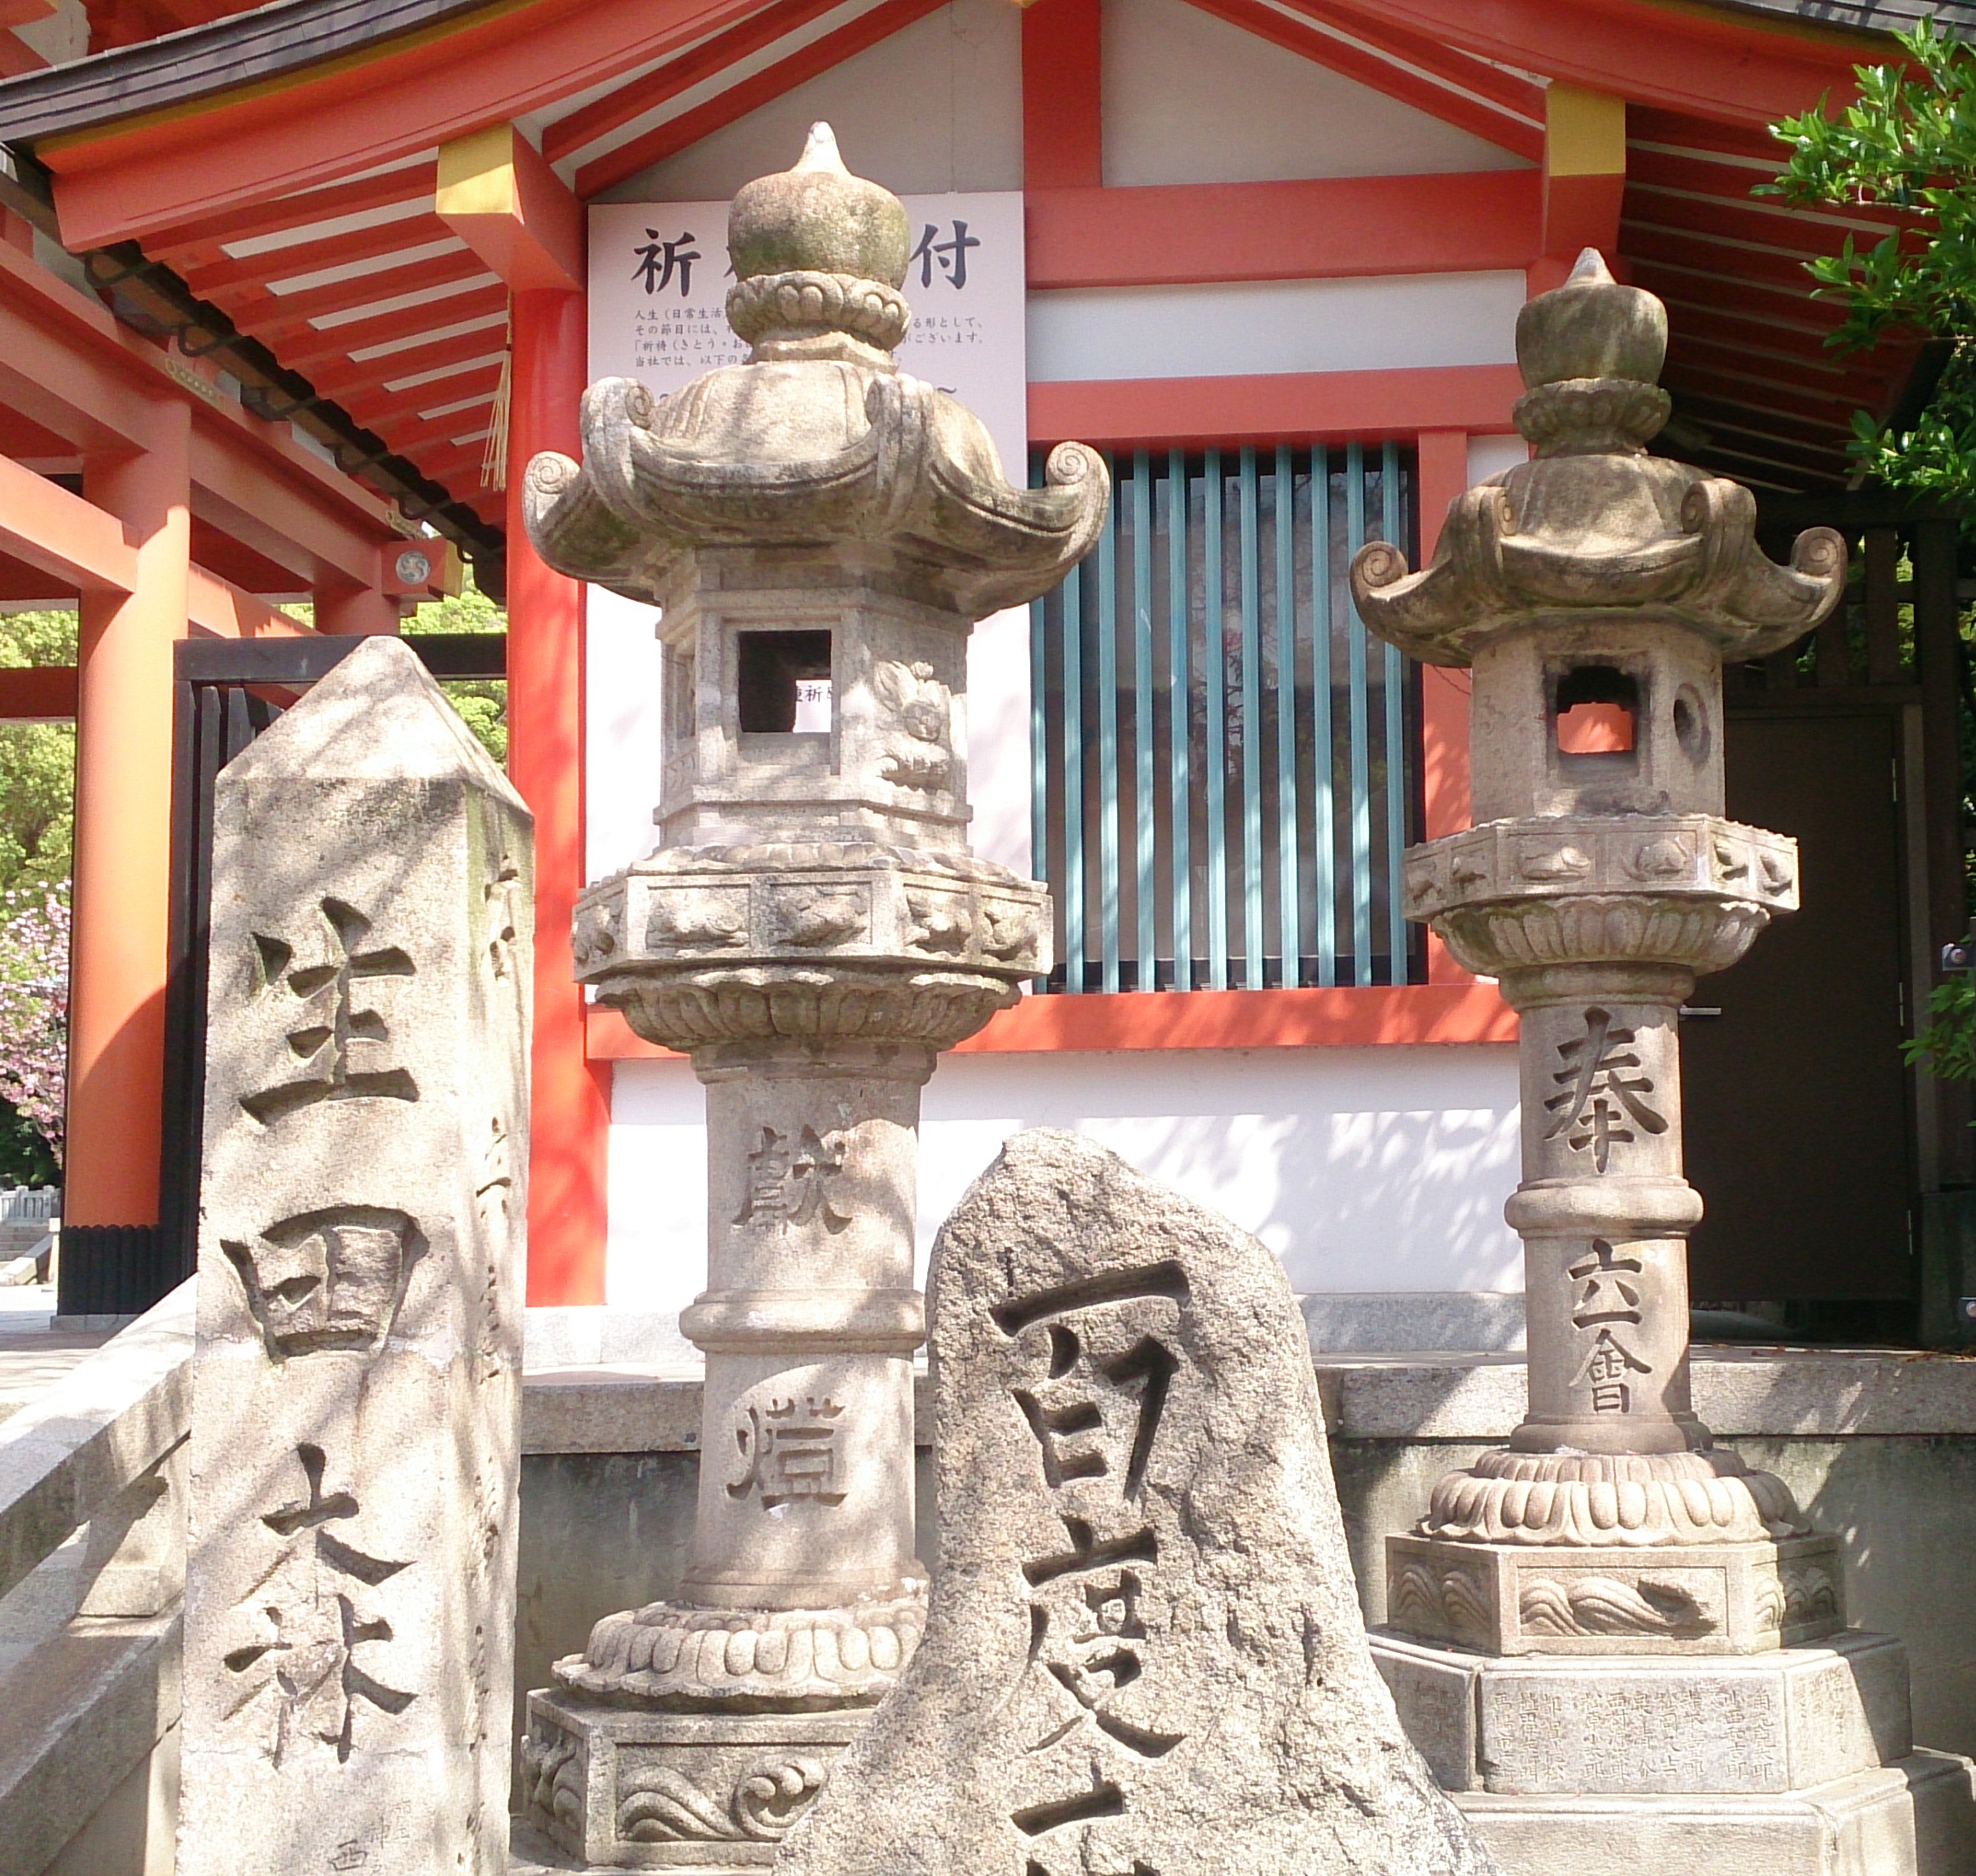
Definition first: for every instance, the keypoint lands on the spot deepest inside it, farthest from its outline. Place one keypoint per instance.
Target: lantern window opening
(1596, 711)
(783, 683)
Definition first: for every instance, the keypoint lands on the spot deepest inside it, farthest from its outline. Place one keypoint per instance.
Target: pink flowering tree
(34, 1011)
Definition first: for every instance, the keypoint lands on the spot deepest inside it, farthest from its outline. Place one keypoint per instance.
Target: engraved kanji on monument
(1144, 1654)
(355, 1447)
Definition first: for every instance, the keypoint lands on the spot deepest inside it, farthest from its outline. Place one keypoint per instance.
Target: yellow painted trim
(477, 174)
(289, 81)
(1585, 132)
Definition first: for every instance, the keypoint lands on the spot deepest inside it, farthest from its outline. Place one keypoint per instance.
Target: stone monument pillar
(821, 532)
(356, 1439)
(1622, 1646)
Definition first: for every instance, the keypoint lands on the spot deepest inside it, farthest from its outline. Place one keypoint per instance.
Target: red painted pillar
(123, 869)
(569, 1105)
(1444, 690)
(355, 611)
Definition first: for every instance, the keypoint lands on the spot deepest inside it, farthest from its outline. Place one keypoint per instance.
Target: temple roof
(281, 164)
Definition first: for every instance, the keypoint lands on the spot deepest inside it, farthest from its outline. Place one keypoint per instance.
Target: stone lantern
(821, 532)
(1607, 1636)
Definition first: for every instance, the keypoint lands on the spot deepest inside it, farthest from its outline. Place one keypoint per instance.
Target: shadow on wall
(1362, 1168)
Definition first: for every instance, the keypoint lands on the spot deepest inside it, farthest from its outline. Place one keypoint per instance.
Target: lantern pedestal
(1795, 1762)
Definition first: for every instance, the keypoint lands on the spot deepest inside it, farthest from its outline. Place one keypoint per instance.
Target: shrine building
(291, 296)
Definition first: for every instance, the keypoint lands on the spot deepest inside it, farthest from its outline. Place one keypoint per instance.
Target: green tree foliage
(1907, 143)
(482, 702)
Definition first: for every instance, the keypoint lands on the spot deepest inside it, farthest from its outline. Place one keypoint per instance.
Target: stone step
(1915, 1817)
(1550, 1725)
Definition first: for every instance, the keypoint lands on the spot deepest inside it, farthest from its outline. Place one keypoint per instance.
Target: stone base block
(1542, 1727)
(1915, 1817)
(624, 1787)
(1686, 1599)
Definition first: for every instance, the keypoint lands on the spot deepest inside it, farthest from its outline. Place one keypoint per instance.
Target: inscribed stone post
(1144, 1655)
(355, 1447)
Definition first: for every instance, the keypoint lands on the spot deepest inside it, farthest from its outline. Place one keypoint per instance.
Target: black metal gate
(226, 691)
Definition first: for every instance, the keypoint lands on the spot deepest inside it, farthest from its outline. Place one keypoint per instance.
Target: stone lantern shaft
(820, 532)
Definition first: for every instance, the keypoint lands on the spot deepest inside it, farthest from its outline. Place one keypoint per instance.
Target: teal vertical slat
(1073, 779)
(1180, 787)
(1106, 628)
(1323, 807)
(1252, 583)
(1360, 732)
(1148, 941)
(1214, 687)
(1290, 941)
(1396, 674)
(1039, 746)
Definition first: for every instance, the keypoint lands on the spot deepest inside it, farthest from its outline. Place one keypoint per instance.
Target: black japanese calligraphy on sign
(1095, 1410)
(950, 256)
(1598, 1095)
(661, 262)
(308, 1668)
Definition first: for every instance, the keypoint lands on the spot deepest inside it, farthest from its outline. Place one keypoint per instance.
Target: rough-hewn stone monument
(356, 1378)
(1145, 1652)
(1622, 1645)
(821, 532)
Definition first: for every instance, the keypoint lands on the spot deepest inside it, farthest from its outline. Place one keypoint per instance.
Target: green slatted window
(1271, 829)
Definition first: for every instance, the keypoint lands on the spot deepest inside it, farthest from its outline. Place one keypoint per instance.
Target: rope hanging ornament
(494, 460)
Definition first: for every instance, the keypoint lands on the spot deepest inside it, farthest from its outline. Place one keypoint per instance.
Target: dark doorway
(1798, 1108)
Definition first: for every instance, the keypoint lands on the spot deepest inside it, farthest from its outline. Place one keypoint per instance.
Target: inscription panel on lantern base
(1734, 1598)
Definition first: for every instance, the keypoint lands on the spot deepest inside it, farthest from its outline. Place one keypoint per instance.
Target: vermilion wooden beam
(1585, 171)
(1447, 1014)
(339, 341)
(764, 87)
(568, 1099)
(408, 184)
(1740, 71)
(66, 537)
(348, 380)
(1341, 228)
(511, 209)
(1393, 78)
(1520, 96)
(1062, 105)
(698, 66)
(39, 694)
(1328, 406)
(219, 607)
(210, 278)
(291, 310)
(394, 100)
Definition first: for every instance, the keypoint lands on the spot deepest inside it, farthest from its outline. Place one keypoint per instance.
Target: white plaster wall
(936, 106)
(1490, 456)
(1363, 1169)
(1188, 98)
(1384, 322)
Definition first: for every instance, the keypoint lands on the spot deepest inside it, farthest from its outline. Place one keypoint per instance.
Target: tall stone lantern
(1621, 1647)
(821, 531)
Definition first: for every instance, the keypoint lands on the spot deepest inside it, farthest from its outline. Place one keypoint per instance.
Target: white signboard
(658, 292)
